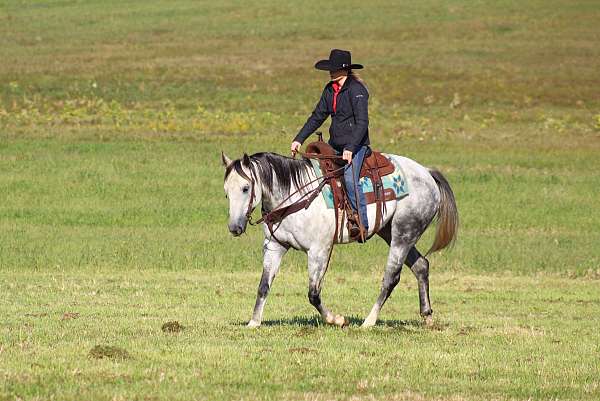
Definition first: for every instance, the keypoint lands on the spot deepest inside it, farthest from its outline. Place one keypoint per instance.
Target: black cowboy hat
(338, 60)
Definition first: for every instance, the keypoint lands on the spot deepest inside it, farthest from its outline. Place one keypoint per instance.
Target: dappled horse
(275, 181)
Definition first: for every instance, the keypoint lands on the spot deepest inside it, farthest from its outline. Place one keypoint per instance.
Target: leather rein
(277, 214)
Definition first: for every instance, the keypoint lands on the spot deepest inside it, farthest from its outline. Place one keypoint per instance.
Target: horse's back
(423, 190)
(412, 169)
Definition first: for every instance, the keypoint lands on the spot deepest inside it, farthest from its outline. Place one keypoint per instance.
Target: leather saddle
(375, 166)
(374, 161)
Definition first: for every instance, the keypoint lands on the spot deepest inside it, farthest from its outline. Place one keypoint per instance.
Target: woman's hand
(347, 155)
(295, 147)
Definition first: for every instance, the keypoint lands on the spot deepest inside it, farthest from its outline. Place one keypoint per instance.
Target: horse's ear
(226, 160)
(246, 160)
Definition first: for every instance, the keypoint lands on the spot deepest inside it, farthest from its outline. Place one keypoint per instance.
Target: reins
(278, 213)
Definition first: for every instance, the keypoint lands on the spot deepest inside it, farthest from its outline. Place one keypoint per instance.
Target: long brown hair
(353, 74)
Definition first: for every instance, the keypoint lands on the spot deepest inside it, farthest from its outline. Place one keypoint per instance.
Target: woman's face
(337, 75)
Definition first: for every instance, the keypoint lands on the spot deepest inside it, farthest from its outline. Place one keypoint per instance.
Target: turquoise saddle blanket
(395, 181)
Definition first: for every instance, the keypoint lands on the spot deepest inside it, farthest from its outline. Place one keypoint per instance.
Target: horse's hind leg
(318, 261)
(420, 267)
(391, 277)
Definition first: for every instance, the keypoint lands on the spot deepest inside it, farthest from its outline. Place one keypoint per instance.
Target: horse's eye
(245, 189)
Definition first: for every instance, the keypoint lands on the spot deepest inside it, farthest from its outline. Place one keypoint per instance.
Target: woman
(345, 98)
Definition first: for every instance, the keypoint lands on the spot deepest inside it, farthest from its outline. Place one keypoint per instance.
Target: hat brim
(326, 65)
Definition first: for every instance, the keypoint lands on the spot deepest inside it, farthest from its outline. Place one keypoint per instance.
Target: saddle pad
(393, 181)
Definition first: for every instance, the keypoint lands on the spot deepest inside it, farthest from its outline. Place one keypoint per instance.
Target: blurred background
(113, 115)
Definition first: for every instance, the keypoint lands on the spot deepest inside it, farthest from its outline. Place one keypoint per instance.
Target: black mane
(266, 165)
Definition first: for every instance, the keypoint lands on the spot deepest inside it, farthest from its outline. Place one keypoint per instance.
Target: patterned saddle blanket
(392, 182)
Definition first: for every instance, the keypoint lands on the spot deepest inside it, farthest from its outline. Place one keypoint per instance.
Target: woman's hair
(355, 75)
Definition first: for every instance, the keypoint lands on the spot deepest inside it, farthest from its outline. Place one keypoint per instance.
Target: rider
(345, 98)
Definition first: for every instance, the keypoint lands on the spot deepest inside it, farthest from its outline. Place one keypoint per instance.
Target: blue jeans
(349, 179)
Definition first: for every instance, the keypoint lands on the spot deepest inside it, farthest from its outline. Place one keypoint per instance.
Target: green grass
(112, 119)
(497, 336)
(139, 205)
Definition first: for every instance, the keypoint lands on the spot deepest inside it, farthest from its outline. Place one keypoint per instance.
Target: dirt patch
(109, 351)
(69, 315)
(172, 327)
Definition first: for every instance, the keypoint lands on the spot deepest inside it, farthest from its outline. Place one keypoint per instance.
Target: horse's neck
(273, 198)
(269, 200)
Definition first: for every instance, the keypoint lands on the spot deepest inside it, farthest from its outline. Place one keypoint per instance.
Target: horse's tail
(447, 215)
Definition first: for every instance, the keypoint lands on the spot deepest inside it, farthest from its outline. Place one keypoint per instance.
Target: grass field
(113, 221)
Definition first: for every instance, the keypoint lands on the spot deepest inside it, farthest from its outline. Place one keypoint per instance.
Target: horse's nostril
(236, 230)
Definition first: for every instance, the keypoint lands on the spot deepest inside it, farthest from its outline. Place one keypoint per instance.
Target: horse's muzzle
(237, 229)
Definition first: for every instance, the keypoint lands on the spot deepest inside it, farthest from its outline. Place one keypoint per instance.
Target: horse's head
(243, 191)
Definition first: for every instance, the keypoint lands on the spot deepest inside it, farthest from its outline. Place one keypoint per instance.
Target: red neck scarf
(336, 89)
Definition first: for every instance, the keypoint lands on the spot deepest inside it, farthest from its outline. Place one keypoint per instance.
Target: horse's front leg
(318, 261)
(273, 251)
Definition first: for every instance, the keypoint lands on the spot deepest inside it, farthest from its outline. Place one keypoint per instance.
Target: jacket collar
(346, 85)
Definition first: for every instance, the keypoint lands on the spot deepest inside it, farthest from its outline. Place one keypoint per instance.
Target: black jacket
(349, 128)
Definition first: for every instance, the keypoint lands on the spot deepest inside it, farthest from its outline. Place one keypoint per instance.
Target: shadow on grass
(354, 321)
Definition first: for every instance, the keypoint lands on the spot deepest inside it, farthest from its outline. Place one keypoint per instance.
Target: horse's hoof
(252, 324)
(367, 324)
(428, 321)
(341, 321)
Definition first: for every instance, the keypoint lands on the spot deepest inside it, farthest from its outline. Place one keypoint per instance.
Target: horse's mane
(266, 165)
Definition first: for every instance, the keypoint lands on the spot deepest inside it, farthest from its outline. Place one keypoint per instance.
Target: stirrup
(357, 232)
(363, 237)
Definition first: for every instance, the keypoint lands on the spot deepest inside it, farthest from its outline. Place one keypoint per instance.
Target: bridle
(252, 193)
(252, 196)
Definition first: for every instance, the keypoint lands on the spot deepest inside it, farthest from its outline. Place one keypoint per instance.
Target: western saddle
(375, 166)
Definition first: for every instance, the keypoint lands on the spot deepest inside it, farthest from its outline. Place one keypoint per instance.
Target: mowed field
(113, 219)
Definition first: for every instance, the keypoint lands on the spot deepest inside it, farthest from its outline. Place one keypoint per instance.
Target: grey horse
(269, 178)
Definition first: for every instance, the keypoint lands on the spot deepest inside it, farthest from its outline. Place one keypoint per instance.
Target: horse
(270, 179)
